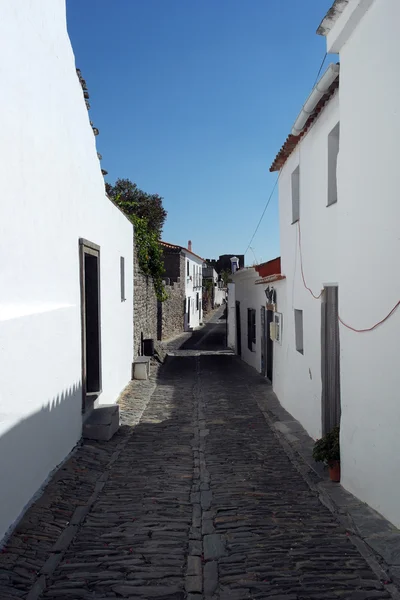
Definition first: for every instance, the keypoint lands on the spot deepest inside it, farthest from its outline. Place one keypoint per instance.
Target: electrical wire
(273, 189)
(302, 270)
(395, 307)
(263, 212)
(320, 69)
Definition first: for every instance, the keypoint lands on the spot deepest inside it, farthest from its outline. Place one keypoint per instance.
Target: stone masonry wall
(144, 307)
(154, 319)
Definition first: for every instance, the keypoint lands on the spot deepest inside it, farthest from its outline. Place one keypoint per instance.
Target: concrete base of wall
(102, 423)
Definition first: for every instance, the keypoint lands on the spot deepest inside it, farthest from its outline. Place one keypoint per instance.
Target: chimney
(190, 245)
(234, 264)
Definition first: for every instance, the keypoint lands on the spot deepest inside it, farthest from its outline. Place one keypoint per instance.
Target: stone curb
(377, 540)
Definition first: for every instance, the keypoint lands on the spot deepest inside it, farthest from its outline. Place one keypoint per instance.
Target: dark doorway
(270, 346)
(90, 315)
(330, 351)
(238, 330)
(263, 343)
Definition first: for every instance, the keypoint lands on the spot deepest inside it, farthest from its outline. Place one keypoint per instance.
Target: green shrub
(327, 449)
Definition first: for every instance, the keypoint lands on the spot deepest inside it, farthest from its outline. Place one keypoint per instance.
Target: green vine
(148, 248)
(150, 255)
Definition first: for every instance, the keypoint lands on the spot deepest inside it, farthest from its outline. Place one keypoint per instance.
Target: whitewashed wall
(369, 252)
(52, 194)
(252, 295)
(220, 296)
(249, 296)
(193, 286)
(280, 373)
(301, 389)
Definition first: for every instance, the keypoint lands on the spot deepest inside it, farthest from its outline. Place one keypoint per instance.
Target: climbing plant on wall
(150, 256)
(147, 214)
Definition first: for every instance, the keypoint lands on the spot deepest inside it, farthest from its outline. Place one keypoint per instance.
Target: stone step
(102, 423)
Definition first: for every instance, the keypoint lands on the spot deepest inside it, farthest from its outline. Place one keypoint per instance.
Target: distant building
(193, 278)
(224, 262)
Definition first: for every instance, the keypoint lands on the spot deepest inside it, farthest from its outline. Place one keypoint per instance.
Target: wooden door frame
(238, 329)
(269, 318)
(86, 247)
(263, 328)
(327, 417)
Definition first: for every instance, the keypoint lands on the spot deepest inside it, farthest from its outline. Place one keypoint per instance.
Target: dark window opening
(91, 320)
(122, 272)
(251, 328)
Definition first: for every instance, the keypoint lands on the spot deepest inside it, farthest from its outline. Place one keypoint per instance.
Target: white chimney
(234, 264)
(190, 245)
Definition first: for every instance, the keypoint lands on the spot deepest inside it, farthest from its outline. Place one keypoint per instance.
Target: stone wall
(154, 319)
(144, 308)
(172, 312)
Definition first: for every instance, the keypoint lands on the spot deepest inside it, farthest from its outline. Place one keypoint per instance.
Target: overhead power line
(273, 189)
(263, 213)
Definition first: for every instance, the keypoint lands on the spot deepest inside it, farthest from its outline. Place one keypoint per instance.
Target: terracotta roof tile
(179, 248)
(292, 140)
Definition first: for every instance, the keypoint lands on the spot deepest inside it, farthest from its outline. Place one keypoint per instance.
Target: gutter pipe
(318, 91)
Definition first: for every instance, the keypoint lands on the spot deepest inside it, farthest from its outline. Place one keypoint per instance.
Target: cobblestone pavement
(194, 498)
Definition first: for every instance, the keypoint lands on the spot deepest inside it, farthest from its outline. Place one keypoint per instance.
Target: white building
(365, 34)
(335, 360)
(193, 282)
(256, 299)
(308, 211)
(218, 292)
(66, 316)
(193, 288)
(337, 243)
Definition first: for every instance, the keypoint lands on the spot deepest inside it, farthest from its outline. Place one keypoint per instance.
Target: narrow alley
(197, 500)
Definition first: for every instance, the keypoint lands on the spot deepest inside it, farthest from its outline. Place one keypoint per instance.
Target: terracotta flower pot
(334, 470)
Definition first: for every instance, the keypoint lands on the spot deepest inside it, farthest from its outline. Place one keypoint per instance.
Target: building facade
(364, 33)
(66, 311)
(193, 288)
(333, 362)
(256, 303)
(337, 241)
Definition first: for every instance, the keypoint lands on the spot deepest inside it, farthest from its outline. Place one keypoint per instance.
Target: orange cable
(322, 291)
(301, 267)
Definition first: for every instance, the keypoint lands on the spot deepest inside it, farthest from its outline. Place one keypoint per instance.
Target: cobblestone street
(193, 498)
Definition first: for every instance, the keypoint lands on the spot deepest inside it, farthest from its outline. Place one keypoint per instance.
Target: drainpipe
(318, 91)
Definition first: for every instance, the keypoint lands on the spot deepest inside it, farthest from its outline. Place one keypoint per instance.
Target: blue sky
(193, 99)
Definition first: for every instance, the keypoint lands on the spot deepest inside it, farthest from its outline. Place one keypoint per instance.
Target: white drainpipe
(318, 91)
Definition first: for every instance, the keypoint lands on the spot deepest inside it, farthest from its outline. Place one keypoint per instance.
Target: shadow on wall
(32, 448)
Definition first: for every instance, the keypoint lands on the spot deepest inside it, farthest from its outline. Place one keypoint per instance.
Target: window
(194, 275)
(187, 269)
(197, 301)
(122, 274)
(333, 152)
(298, 326)
(296, 195)
(251, 328)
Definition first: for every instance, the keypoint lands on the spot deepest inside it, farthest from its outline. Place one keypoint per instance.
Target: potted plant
(327, 450)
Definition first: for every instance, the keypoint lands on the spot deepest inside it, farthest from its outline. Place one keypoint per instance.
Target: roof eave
(331, 17)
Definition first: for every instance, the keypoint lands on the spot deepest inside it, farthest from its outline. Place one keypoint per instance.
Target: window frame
(333, 154)
(122, 277)
(299, 330)
(295, 194)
